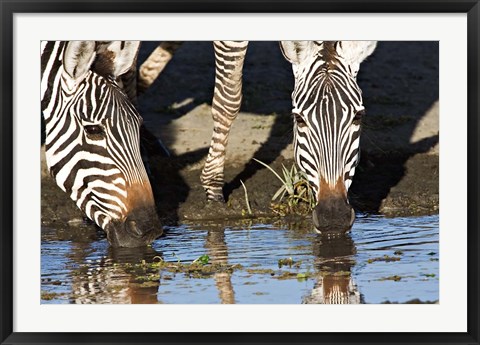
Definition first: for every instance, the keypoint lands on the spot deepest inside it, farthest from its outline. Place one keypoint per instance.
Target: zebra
(327, 111)
(92, 137)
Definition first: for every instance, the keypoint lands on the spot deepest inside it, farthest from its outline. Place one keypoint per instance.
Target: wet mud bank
(392, 186)
(382, 185)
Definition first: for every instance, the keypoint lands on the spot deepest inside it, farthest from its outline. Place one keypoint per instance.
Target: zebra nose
(132, 228)
(141, 224)
(133, 232)
(333, 216)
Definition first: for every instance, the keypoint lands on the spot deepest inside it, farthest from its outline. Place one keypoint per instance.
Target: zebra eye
(299, 120)
(358, 116)
(95, 131)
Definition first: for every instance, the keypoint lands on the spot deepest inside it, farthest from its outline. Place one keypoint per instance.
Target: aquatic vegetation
(260, 271)
(285, 262)
(429, 275)
(385, 258)
(151, 277)
(48, 296)
(303, 276)
(203, 260)
(395, 278)
(198, 268)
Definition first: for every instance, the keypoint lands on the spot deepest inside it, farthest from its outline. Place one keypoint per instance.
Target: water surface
(382, 260)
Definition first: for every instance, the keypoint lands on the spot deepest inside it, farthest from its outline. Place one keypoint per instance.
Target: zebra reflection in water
(334, 282)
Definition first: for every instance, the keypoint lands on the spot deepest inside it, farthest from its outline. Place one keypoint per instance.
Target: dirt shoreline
(399, 167)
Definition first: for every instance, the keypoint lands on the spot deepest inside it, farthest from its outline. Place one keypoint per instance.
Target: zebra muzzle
(133, 233)
(333, 216)
(132, 228)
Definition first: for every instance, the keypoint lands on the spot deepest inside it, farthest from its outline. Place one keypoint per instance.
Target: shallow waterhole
(382, 260)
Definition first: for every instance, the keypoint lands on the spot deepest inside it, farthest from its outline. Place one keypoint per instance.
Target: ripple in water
(381, 260)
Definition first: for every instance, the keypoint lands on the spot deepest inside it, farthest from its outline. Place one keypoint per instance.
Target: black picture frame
(10, 7)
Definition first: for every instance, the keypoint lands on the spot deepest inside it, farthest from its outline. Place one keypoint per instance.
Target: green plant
(295, 188)
(202, 260)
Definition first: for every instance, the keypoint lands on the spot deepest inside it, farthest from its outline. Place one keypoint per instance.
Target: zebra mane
(329, 55)
(104, 64)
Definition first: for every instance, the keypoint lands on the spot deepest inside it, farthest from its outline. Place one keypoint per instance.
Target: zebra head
(327, 110)
(93, 138)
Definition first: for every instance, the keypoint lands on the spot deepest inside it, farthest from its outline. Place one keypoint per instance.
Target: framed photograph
(342, 210)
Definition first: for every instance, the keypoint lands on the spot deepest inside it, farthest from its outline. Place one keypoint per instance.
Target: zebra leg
(155, 63)
(227, 97)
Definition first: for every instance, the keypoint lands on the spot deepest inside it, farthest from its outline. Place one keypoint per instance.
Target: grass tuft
(246, 199)
(295, 196)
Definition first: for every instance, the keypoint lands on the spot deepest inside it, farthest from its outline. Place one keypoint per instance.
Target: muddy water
(383, 260)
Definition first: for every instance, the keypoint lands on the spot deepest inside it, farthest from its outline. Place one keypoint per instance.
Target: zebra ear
(116, 57)
(295, 51)
(77, 59)
(354, 52)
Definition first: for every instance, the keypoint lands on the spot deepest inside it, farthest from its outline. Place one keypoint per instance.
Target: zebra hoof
(216, 198)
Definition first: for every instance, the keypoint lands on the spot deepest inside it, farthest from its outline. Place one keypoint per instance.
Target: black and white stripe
(327, 108)
(92, 133)
(227, 98)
